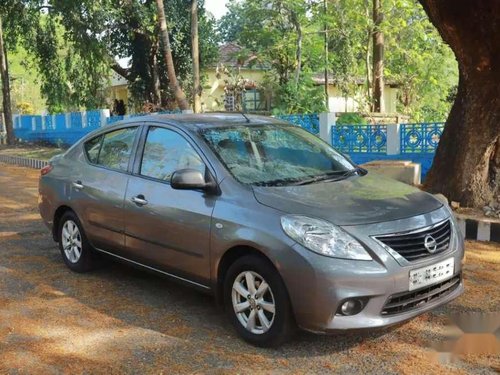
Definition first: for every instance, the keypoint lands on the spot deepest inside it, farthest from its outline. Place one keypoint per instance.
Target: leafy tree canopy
(416, 58)
(75, 44)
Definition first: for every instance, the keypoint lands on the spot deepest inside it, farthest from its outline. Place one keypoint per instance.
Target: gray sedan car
(282, 229)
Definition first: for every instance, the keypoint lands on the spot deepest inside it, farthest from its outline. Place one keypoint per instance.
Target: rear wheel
(75, 248)
(257, 302)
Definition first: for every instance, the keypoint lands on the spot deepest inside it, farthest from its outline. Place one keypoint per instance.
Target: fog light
(351, 307)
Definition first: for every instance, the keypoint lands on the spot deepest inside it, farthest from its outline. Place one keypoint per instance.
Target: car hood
(357, 200)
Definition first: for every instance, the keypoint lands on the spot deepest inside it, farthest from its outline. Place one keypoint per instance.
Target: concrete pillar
(84, 119)
(393, 139)
(483, 231)
(104, 115)
(68, 120)
(326, 121)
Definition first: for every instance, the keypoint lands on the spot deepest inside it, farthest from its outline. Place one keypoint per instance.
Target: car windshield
(274, 154)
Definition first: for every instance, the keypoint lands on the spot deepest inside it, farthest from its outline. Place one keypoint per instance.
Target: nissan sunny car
(281, 228)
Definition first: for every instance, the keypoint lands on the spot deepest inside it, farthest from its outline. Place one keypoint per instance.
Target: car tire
(75, 249)
(264, 320)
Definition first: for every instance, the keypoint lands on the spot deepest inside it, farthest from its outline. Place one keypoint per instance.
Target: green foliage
(270, 30)
(73, 45)
(25, 108)
(417, 61)
(350, 119)
(69, 79)
(304, 98)
(24, 85)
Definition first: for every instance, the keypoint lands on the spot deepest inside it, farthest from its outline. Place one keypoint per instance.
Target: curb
(24, 162)
(487, 229)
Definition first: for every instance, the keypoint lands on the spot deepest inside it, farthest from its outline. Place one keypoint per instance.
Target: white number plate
(432, 274)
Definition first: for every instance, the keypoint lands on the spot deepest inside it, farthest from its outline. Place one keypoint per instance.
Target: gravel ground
(121, 320)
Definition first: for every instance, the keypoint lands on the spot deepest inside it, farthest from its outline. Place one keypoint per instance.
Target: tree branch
(124, 72)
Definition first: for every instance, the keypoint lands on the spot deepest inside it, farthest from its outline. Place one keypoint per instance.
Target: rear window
(92, 149)
(112, 150)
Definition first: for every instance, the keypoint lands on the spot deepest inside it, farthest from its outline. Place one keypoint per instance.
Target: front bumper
(371, 318)
(325, 283)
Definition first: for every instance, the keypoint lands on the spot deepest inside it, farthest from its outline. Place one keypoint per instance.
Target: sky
(216, 7)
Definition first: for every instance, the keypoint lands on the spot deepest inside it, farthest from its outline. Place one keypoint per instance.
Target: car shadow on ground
(144, 299)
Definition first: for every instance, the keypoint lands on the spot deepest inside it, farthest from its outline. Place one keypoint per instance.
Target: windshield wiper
(329, 177)
(332, 176)
(278, 182)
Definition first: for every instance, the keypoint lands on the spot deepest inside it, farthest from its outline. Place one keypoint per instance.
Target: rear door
(98, 186)
(165, 228)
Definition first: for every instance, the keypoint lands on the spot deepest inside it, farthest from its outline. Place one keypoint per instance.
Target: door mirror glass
(188, 179)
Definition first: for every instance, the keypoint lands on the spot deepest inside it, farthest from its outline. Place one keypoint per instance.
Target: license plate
(432, 274)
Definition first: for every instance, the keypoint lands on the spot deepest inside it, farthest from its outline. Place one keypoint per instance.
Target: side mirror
(188, 179)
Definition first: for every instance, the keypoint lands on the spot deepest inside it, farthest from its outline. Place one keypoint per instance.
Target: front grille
(411, 246)
(406, 301)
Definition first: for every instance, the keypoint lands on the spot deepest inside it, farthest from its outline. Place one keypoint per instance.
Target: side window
(92, 149)
(165, 152)
(117, 148)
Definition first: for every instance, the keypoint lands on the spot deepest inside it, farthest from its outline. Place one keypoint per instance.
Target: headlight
(323, 238)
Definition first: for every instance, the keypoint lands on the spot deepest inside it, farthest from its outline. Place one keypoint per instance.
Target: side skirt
(182, 280)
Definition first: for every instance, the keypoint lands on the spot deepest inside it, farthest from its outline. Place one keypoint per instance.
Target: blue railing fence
(363, 143)
(360, 138)
(309, 121)
(64, 128)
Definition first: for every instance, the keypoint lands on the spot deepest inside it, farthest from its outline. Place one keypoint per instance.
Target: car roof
(205, 120)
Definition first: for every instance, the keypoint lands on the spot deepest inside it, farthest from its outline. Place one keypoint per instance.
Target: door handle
(140, 200)
(78, 184)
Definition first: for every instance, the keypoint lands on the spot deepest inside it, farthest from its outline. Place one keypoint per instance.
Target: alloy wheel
(71, 241)
(253, 302)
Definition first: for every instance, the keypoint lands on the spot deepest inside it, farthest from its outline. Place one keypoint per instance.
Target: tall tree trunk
(378, 57)
(325, 51)
(195, 53)
(4, 73)
(463, 168)
(179, 95)
(369, 70)
(298, 49)
(155, 75)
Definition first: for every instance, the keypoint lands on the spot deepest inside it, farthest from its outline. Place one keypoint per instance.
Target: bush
(351, 119)
(305, 98)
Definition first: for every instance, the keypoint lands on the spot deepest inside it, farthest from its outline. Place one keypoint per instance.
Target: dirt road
(121, 320)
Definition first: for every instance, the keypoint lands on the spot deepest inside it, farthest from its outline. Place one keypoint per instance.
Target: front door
(165, 228)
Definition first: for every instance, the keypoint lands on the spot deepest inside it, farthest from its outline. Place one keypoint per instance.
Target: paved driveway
(121, 320)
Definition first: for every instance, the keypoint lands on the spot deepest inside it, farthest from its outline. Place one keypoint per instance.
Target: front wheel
(257, 302)
(75, 248)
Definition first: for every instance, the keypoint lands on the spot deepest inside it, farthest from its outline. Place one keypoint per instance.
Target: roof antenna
(245, 116)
